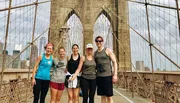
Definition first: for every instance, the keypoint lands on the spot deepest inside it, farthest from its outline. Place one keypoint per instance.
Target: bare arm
(79, 68)
(35, 69)
(66, 70)
(113, 58)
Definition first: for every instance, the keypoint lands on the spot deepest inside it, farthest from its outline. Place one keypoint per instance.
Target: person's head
(89, 49)
(75, 49)
(49, 48)
(62, 52)
(99, 41)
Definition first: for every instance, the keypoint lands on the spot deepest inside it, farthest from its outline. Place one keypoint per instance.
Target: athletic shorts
(104, 86)
(71, 84)
(58, 86)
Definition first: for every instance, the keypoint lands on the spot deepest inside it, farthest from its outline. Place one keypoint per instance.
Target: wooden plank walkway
(120, 96)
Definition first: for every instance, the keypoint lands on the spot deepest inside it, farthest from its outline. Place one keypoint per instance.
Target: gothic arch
(107, 15)
(70, 14)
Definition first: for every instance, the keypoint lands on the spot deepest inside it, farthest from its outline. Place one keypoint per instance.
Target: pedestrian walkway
(120, 96)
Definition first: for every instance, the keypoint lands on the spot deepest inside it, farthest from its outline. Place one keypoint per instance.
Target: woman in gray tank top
(58, 76)
(88, 82)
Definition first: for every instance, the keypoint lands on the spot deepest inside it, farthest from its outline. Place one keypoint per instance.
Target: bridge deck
(120, 96)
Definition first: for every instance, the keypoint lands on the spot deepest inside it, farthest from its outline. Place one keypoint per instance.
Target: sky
(102, 27)
(21, 24)
(163, 29)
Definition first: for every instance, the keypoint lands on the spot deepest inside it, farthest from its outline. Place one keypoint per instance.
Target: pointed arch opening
(105, 13)
(75, 33)
(103, 27)
(73, 12)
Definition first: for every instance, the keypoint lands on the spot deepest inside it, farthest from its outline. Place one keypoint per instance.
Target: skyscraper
(34, 52)
(140, 65)
(27, 52)
(34, 55)
(18, 47)
(42, 43)
(17, 62)
(1, 47)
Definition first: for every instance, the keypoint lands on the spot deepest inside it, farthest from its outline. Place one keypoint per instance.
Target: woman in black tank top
(73, 64)
(73, 86)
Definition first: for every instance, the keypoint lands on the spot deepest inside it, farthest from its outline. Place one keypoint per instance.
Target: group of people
(98, 70)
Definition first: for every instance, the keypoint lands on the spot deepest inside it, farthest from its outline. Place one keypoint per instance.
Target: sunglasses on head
(98, 40)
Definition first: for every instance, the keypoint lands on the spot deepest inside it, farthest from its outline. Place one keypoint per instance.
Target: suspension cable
(56, 21)
(145, 39)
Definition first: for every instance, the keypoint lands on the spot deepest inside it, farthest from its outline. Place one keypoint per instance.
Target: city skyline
(42, 43)
(159, 27)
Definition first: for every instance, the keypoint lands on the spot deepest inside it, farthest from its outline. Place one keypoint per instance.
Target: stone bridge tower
(88, 11)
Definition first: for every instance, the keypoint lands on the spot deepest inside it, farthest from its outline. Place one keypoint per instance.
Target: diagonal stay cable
(129, 59)
(56, 21)
(145, 39)
(104, 7)
(161, 36)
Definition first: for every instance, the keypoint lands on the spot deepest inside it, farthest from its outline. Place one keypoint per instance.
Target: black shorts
(104, 86)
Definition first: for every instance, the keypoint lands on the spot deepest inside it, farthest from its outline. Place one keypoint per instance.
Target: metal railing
(16, 91)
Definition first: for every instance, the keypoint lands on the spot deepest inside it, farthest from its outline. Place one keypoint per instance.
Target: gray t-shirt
(58, 74)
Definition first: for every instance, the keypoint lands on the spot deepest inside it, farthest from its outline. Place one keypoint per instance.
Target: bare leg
(103, 99)
(53, 95)
(58, 96)
(76, 95)
(70, 95)
(109, 99)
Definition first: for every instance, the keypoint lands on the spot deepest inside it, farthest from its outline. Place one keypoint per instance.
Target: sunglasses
(89, 48)
(99, 41)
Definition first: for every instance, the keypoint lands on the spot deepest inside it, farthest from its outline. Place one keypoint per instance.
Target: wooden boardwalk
(120, 96)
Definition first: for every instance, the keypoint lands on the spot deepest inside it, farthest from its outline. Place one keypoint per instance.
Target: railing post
(177, 6)
(124, 74)
(34, 27)
(5, 43)
(150, 45)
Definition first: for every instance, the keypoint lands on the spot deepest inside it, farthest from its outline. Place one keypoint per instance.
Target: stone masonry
(88, 11)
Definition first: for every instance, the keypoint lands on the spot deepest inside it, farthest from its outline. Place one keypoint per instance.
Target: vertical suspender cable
(150, 45)
(34, 27)
(5, 44)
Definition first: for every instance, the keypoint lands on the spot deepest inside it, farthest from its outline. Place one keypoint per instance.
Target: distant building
(24, 64)
(34, 55)
(18, 47)
(158, 69)
(147, 69)
(27, 51)
(34, 52)
(5, 52)
(1, 47)
(42, 43)
(17, 62)
(140, 65)
(8, 58)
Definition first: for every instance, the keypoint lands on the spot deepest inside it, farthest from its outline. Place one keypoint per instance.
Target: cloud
(21, 22)
(164, 33)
